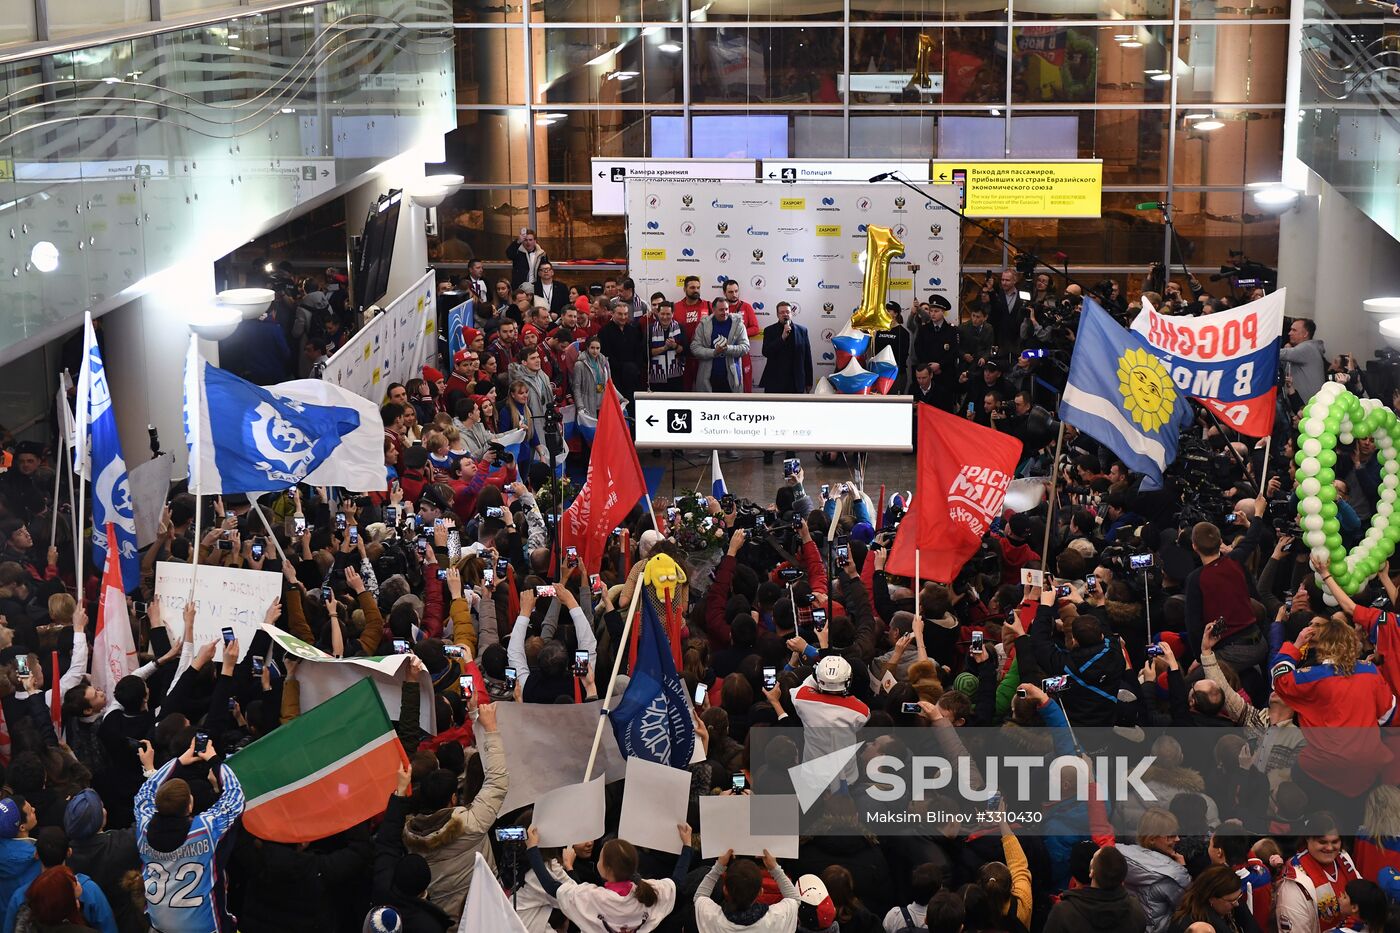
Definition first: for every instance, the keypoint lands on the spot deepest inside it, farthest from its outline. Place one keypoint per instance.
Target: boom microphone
(881, 177)
(1151, 206)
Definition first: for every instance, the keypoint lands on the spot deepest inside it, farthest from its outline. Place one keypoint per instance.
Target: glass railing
(1349, 106)
(121, 160)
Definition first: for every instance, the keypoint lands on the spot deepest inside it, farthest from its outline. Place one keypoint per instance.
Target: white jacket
(598, 910)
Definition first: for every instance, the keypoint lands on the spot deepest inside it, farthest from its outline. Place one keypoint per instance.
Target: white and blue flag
(271, 438)
(1120, 394)
(464, 315)
(97, 455)
(717, 487)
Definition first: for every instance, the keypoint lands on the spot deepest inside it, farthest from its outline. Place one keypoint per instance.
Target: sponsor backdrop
(784, 242)
(393, 347)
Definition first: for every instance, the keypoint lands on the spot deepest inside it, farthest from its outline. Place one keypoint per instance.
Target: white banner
(392, 347)
(561, 735)
(223, 597)
(789, 242)
(149, 485)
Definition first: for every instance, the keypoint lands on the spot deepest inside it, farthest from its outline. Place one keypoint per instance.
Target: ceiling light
(1385, 307)
(1131, 44)
(1161, 77)
(1206, 126)
(672, 47)
(625, 75)
(213, 321)
(427, 195)
(1197, 116)
(1277, 197)
(44, 256)
(111, 80)
(444, 180)
(1124, 36)
(250, 303)
(234, 48)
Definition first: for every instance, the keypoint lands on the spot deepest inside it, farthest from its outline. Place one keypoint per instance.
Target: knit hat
(816, 910)
(469, 335)
(529, 329)
(412, 875)
(432, 375)
(649, 539)
(82, 818)
(966, 684)
(11, 816)
(382, 920)
(862, 532)
(1390, 883)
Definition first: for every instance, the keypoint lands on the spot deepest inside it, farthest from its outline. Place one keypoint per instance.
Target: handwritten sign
(223, 597)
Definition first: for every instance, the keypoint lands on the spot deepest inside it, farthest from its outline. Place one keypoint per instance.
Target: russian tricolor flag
(717, 487)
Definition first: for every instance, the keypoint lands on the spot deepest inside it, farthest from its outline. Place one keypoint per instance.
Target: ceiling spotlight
(44, 256)
(1124, 36)
(672, 47)
(445, 180)
(1161, 77)
(1206, 126)
(213, 321)
(1276, 197)
(1131, 44)
(624, 75)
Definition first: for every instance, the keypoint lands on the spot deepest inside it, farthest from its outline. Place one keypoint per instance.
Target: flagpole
(918, 603)
(619, 649)
(253, 501)
(82, 539)
(1264, 470)
(74, 516)
(1050, 508)
(652, 509)
(57, 481)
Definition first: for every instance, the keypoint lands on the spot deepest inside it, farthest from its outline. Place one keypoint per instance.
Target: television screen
(377, 248)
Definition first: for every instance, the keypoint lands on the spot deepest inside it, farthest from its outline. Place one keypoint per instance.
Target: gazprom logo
(790, 258)
(653, 225)
(687, 252)
(754, 231)
(717, 203)
(821, 283)
(827, 202)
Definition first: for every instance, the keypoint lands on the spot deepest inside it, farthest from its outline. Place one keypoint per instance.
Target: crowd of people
(1191, 607)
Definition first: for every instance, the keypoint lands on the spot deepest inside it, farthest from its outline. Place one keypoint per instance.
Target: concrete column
(1332, 257)
(146, 343)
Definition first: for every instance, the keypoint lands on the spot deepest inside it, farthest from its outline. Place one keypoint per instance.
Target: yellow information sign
(1010, 188)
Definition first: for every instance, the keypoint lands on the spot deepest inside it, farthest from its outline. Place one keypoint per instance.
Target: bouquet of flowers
(544, 496)
(694, 528)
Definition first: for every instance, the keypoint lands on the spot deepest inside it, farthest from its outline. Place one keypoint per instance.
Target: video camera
(1244, 272)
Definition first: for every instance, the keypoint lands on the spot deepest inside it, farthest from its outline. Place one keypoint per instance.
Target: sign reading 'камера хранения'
(774, 422)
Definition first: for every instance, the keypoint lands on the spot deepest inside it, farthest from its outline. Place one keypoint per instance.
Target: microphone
(1151, 206)
(881, 177)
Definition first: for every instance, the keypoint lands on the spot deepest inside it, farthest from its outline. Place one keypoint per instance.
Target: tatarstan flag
(323, 772)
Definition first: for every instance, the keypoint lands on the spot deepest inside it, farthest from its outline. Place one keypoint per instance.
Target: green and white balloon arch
(1330, 417)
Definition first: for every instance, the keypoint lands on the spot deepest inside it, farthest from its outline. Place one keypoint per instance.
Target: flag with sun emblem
(1120, 394)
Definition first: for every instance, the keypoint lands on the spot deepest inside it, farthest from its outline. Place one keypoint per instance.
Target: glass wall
(1182, 101)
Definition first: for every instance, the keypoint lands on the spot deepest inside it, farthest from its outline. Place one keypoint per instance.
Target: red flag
(963, 472)
(614, 485)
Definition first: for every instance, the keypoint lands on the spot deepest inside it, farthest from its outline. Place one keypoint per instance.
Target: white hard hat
(833, 674)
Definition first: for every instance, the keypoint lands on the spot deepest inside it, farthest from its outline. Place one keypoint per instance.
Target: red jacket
(1341, 718)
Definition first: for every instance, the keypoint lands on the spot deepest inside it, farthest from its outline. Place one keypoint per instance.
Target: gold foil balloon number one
(881, 246)
(921, 76)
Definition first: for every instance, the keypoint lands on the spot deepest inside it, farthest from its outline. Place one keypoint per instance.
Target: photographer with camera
(1092, 661)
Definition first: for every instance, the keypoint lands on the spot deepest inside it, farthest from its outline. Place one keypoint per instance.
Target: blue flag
(99, 457)
(264, 442)
(464, 315)
(653, 719)
(1120, 394)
